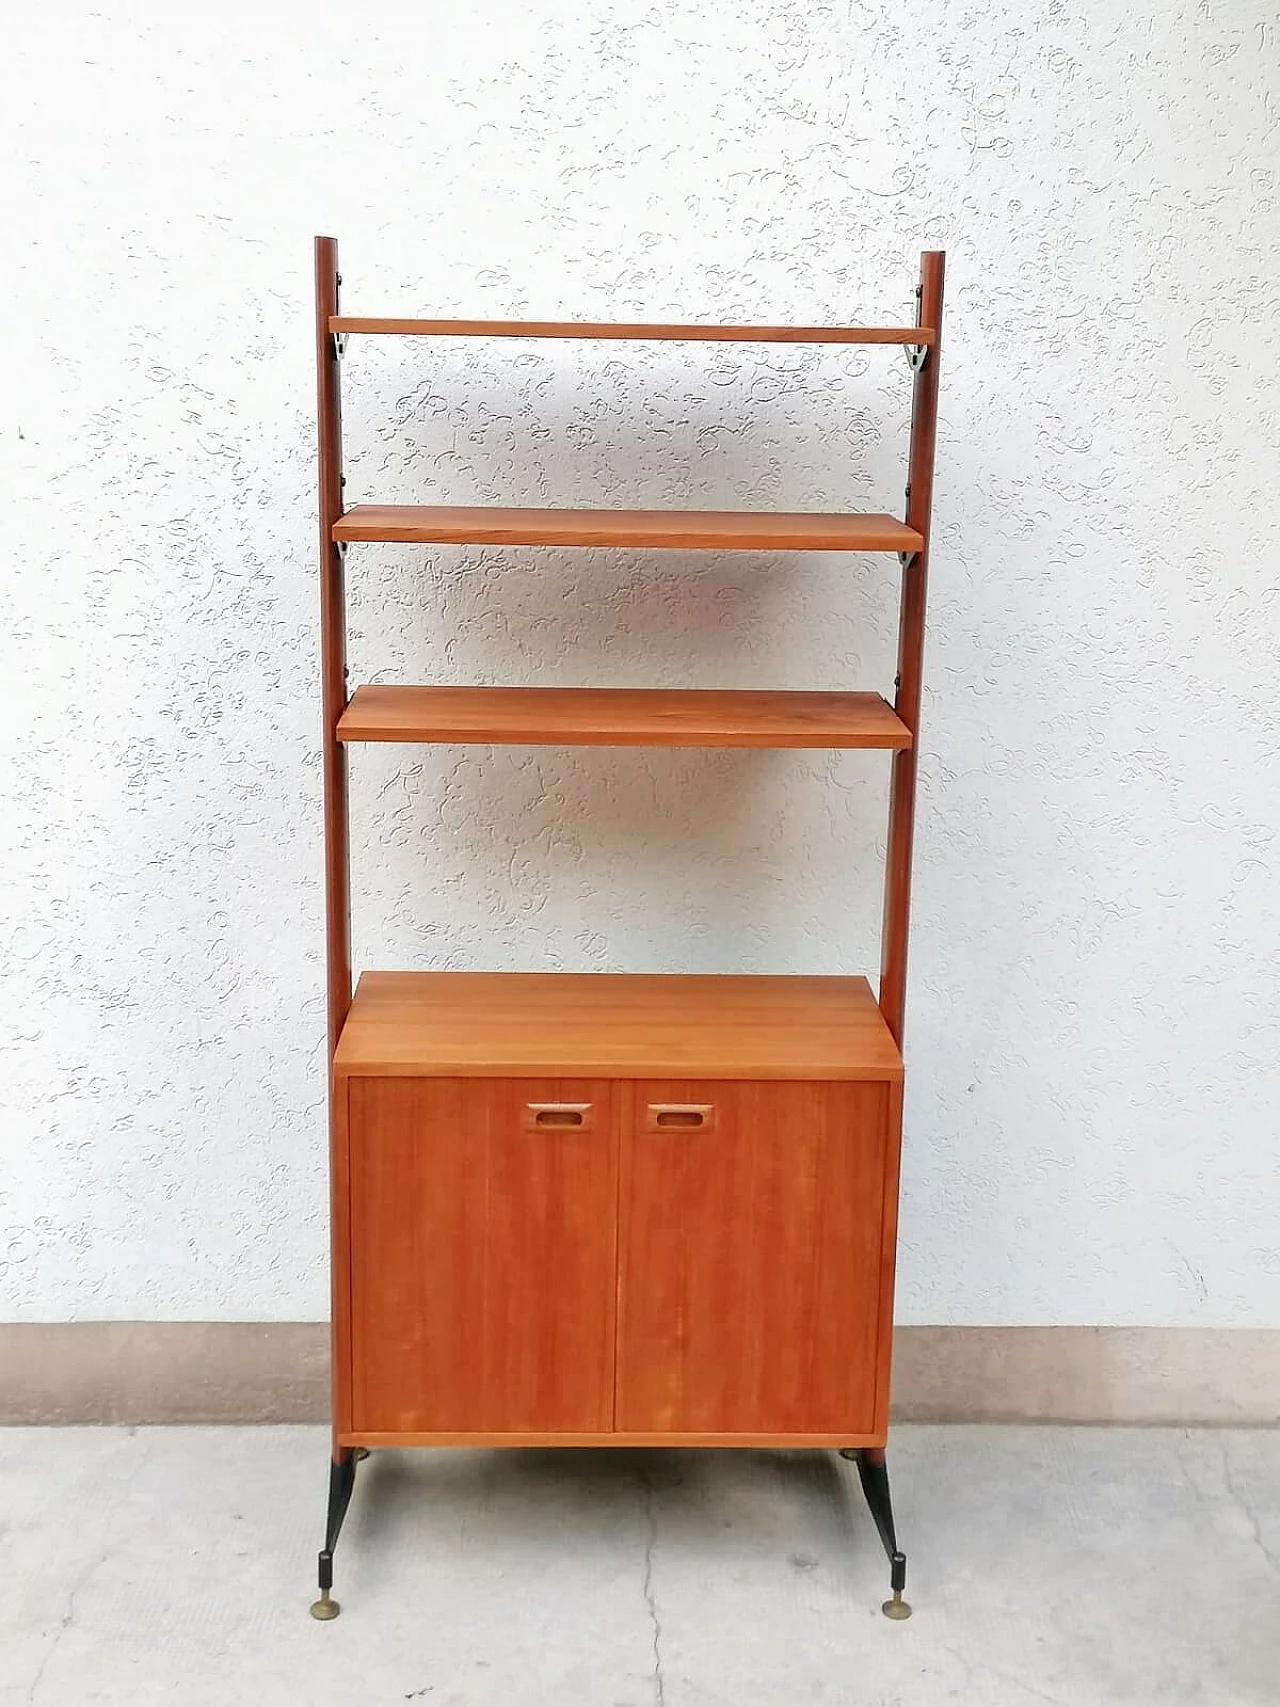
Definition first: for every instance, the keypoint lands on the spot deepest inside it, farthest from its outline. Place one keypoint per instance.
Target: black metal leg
(875, 1487)
(342, 1476)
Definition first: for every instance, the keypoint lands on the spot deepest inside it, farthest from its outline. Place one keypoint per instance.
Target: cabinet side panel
(888, 1256)
(339, 1257)
(751, 1259)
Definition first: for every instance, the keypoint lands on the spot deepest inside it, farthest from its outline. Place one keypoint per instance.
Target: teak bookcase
(630, 1210)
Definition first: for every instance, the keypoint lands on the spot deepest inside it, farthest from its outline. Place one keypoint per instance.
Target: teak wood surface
(640, 331)
(483, 1257)
(601, 1025)
(749, 1268)
(693, 530)
(510, 1282)
(621, 717)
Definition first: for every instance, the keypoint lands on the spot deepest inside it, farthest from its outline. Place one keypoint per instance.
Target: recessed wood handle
(679, 1117)
(557, 1116)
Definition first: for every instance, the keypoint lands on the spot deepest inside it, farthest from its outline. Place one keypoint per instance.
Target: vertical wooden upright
(333, 694)
(902, 790)
(902, 812)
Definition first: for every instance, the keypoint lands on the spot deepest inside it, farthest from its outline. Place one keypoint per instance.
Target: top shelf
(637, 331)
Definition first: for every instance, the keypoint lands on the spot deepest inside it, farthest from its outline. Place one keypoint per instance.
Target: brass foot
(326, 1607)
(896, 1608)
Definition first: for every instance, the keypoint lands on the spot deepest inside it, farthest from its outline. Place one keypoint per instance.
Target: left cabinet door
(483, 1255)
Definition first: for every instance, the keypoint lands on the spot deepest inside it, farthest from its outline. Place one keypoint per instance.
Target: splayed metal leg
(342, 1476)
(875, 1487)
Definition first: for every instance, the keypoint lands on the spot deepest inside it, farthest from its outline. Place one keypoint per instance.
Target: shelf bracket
(907, 558)
(339, 344)
(917, 355)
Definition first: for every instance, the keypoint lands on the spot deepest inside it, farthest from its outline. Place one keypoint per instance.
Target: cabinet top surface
(630, 1025)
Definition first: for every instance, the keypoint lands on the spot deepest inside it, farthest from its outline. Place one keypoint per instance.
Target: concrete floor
(1080, 1567)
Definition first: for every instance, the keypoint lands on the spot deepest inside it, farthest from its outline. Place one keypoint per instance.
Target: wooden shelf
(723, 530)
(604, 1025)
(621, 717)
(640, 331)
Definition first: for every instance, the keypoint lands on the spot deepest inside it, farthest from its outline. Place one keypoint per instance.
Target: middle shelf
(622, 717)
(722, 530)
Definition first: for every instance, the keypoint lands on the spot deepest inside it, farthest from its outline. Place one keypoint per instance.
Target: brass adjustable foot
(896, 1608)
(326, 1607)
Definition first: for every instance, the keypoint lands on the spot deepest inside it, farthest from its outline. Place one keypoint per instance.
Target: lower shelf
(718, 530)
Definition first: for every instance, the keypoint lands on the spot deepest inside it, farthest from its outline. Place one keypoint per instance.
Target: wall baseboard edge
(138, 1373)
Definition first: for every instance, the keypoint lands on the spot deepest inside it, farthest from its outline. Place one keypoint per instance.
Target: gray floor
(1070, 1566)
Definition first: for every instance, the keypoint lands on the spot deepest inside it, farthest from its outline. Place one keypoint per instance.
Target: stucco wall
(1094, 1053)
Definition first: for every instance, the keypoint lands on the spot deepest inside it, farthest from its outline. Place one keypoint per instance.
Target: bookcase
(597, 1209)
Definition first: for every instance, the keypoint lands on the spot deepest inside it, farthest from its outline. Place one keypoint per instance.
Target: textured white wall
(1093, 1046)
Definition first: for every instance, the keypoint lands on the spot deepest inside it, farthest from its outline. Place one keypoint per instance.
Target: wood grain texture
(888, 1259)
(639, 331)
(621, 717)
(749, 1264)
(604, 1025)
(339, 1257)
(483, 1258)
(719, 530)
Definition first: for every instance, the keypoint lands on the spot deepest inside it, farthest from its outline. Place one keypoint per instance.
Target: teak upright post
(333, 647)
(902, 790)
(592, 1209)
(337, 854)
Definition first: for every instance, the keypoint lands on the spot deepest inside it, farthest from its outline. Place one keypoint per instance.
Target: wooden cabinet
(622, 1257)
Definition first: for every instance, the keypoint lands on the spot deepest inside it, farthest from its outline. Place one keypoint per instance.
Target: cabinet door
(752, 1256)
(483, 1255)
